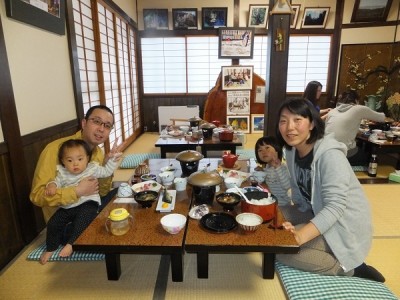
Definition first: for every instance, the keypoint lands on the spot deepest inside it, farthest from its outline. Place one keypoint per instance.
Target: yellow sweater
(46, 171)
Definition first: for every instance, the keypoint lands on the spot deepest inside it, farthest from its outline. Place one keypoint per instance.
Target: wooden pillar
(277, 63)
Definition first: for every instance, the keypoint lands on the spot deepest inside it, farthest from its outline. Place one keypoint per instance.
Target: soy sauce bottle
(373, 165)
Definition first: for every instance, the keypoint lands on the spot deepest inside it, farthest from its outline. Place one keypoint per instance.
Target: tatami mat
(384, 256)
(230, 276)
(385, 206)
(78, 280)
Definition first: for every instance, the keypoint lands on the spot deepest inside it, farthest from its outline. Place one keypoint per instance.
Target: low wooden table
(168, 145)
(380, 147)
(266, 240)
(145, 236)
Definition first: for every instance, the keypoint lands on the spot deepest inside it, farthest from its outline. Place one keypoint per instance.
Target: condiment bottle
(373, 165)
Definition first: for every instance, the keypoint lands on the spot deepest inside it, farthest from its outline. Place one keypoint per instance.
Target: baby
(74, 158)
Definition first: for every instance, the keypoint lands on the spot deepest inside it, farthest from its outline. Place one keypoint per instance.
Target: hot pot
(194, 122)
(207, 129)
(204, 186)
(189, 160)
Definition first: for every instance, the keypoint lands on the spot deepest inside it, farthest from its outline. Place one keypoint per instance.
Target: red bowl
(265, 211)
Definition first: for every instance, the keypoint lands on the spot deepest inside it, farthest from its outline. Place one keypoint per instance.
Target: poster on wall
(237, 102)
(48, 15)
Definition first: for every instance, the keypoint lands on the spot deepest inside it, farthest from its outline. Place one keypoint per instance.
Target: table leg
(113, 266)
(202, 264)
(163, 152)
(177, 267)
(268, 267)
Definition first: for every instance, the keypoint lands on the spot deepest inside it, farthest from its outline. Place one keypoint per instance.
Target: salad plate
(146, 186)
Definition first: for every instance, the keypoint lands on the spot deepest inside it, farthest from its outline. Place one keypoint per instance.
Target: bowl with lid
(189, 160)
(204, 186)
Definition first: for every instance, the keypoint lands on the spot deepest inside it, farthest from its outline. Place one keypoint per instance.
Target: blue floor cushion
(301, 285)
(245, 153)
(133, 160)
(76, 255)
(359, 168)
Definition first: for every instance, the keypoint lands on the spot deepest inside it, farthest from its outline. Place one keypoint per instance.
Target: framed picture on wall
(257, 123)
(48, 15)
(214, 17)
(155, 19)
(371, 10)
(237, 102)
(237, 78)
(236, 42)
(184, 18)
(239, 123)
(294, 17)
(315, 17)
(258, 16)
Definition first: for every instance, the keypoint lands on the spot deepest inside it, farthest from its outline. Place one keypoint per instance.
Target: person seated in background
(344, 121)
(313, 93)
(269, 154)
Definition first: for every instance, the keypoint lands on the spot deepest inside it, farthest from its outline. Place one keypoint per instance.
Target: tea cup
(167, 177)
(124, 190)
(180, 184)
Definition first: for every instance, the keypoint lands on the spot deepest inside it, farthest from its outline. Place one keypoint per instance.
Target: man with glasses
(96, 127)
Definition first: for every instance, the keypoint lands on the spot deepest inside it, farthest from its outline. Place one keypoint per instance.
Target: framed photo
(236, 42)
(237, 78)
(294, 17)
(214, 17)
(184, 18)
(315, 17)
(238, 102)
(155, 19)
(258, 16)
(239, 123)
(257, 123)
(48, 15)
(370, 10)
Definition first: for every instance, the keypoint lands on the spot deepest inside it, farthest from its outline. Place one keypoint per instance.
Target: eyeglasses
(99, 122)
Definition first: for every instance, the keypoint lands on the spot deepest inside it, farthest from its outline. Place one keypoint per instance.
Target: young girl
(335, 233)
(74, 157)
(269, 153)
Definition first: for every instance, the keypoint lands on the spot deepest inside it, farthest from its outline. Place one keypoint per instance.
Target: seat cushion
(305, 285)
(75, 256)
(131, 161)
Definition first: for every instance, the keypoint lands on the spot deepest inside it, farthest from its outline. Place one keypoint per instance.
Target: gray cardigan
(341, 209)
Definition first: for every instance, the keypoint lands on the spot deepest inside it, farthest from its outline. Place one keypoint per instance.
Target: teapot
(119, 221)
(229, 159)
(372, 102)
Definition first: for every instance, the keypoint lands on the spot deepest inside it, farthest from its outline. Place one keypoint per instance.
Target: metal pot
(207, 129)
(189, 160)
(204, 186)
(194, 122)
(226, 135)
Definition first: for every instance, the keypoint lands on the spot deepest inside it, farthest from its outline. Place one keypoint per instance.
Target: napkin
(125, 200)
